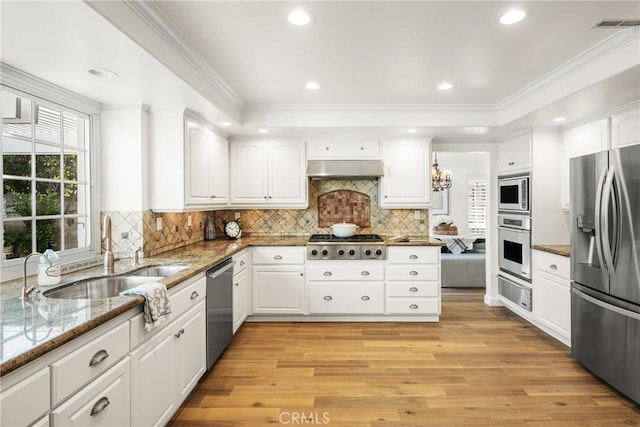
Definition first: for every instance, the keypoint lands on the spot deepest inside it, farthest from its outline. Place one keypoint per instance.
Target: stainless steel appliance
(519, 294)
(514, 245)
(358, 247)
(513, 193)
(219, 309)
(344, 169)
(605, 271)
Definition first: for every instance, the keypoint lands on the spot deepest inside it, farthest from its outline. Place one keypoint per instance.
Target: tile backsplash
(132, 229)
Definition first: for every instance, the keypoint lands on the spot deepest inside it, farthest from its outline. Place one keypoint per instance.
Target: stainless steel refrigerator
(605, 272)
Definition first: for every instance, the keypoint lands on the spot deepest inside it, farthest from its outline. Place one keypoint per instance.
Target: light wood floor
(477, 366)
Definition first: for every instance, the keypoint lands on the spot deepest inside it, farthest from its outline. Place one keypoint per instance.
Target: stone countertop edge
(201, 256)
(562, 250)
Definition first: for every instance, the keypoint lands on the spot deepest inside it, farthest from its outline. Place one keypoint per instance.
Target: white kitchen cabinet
(25, 402)
(514, 155)
(241, 288)
(407, 174)
(268, 174)
(278, 280)
(104, 402)
(625, 129)
(188, 159)
(413, 281)
(343, 150)
(191, 350)
(552, 295)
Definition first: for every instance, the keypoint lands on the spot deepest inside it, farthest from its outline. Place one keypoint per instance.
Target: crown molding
(36, 87)
(379, 108)
(573, 66)
(163, 26)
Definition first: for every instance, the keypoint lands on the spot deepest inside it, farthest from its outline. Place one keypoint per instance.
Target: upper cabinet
(407, 174)
(343, 150)
(625, 129)
(268, 174)
(188, 167)
(514, 155)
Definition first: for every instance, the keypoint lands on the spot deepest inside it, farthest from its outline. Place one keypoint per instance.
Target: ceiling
(242, 62)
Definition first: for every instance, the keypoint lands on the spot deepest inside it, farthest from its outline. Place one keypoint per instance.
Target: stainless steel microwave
(513, 193)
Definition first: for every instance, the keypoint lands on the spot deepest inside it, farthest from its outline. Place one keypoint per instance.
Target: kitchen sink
(159, 270)
(99, 287)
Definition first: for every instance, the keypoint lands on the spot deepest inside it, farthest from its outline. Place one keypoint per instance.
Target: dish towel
(156, 304)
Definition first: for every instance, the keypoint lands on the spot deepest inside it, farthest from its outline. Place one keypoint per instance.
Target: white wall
(123, 158)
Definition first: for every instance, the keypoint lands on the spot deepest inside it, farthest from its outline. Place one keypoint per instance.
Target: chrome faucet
(26, 292)
(136, 256)
(109, 259)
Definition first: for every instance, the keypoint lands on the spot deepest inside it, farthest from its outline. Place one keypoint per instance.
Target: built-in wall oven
(513, 193)
(514, 240)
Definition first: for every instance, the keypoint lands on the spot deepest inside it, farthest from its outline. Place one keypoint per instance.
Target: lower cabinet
(166, 368)
(240, 299)
(104, 402)
(552, 295)
(278, 280)
(25, 402)
(346, 298)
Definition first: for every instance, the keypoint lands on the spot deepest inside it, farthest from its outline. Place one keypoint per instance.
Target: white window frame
(41, 91)
(473, 182)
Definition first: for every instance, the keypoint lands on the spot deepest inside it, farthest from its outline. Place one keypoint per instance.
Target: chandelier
(440, 179)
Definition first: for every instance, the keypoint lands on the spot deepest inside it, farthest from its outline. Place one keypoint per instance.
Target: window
(46, 197)
(477, 191)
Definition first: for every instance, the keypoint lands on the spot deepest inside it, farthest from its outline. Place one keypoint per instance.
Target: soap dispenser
(49, 268)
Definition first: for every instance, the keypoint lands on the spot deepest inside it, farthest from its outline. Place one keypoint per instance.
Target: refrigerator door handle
(598, 218)
(606, 305)
(606, 219)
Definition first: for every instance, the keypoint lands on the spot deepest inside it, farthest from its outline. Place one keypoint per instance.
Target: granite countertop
(563, 250)
(31, 330)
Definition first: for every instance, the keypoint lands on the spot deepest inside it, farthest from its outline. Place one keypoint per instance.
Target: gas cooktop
(358, 238)
(357, 247)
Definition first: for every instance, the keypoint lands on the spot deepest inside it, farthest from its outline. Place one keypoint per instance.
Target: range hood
(344, 169)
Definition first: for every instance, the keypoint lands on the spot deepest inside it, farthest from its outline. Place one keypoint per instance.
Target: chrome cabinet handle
(413, 256)
(180, 332)
(413, 306)
(364, 298)
(413, 273)
(241, 263)
(413, 289)
(98, 358)
(328, 298)
(100, 406)
(277, 257)
(553, 267)
(265, 197)
(364, 273)
(194, 295)
(328, 273)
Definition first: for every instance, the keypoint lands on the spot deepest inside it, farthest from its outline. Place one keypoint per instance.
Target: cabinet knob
(328, 273)
(364, 298)
(100, 406)
(326, 148)
(413, 256)
(194, 295)
(413, 289)
(361, 148)
(413, 306)
(385, 196)
(241, 263)
(269, 196)
(553, 267)
(364, 273)
(265, 197)
(98, 358)
(413, 273)
(237, 284)
(328, 298)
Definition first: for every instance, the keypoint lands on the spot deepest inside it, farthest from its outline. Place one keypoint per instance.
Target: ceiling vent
(617, 23)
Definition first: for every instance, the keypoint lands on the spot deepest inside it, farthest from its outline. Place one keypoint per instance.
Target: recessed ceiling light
(513, 16)
(412, 130)
(104, 73)
(299, 17)
(264, 131)
(445, 86)
(313, 86)
(559, 119)
(226, 123)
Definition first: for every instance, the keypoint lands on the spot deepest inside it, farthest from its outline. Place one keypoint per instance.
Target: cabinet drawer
(346, 298)
(346, 272)
(413, 272)
(553, 264)
(25, 402)
(341, 150)
(242, 260)
(413, 289)
(413, 306)
(180, 301)
(104, 402)
(86, 363)
(413, 255)
(279, 255)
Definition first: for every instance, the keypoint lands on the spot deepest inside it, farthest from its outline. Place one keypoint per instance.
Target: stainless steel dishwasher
(219, 309)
